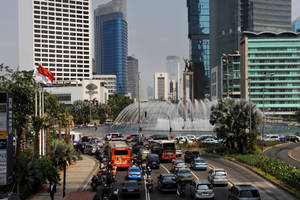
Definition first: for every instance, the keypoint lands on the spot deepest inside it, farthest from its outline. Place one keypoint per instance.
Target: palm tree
(38, 122)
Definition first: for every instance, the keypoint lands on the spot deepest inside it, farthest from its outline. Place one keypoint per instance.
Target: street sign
(3, 134)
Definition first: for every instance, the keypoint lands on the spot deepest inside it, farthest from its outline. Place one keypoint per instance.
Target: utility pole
(139, 103)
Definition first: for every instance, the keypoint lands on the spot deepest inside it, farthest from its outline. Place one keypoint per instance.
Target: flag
(43, 75)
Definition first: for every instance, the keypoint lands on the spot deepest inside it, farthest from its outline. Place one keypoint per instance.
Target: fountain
(163, 116)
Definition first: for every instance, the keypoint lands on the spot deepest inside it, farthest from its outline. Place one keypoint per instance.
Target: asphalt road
(281, 152)
(236, 173)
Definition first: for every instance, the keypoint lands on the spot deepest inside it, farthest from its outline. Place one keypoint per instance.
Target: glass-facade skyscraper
(296, 25)
(111, 41)
(198, 33)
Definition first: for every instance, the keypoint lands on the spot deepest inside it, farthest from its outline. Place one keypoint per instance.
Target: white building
(111, 81)
(68, 92)
(57, 35)
(161, 86)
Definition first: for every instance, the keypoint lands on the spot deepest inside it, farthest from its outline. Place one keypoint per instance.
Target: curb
(290, 154)
(264, 177)
(87, 180)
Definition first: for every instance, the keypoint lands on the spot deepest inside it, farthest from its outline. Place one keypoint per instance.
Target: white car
(191, 137)
(178, 151)
(218, 177)
(271, 137)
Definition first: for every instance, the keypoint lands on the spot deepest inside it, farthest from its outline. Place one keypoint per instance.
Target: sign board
(6, 139)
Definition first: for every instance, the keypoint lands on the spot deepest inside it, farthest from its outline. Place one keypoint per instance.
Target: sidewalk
(78, 176)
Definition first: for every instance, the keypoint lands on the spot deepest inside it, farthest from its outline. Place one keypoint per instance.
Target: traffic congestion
(138, 167)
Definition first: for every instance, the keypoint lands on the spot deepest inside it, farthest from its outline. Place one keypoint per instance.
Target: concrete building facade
(270, 69)
(111, 82)
(161, 86)
(56, 34)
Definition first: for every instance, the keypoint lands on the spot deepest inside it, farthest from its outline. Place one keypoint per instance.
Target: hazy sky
(156, 29)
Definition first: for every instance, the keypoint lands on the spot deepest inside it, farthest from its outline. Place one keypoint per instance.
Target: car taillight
(124, 189)
(213, 190)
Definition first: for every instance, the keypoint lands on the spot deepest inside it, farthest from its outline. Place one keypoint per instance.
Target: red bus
(166, 149)
(119, 154)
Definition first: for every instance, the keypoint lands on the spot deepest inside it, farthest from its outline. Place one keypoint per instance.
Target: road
(281, 152)
(236, 173)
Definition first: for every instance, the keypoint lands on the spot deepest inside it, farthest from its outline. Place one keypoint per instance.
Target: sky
(156, 29)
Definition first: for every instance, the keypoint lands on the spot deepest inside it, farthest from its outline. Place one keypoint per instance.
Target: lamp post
(263, 127)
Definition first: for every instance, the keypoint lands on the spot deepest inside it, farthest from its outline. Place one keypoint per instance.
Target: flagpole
(40, 114)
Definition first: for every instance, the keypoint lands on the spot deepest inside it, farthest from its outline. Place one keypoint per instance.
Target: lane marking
(194, 175)
(165, 168)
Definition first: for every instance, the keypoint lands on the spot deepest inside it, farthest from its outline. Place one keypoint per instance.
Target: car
(198, 163)
(109, 136)
(190, 155)
(183, 174)
(292, 138)
(297, 134)
(178, 164)
(191, 137)
(243, 192)
(271, 137)
(130, 188)
(203, 137)
(134, 173)
(153, 161)
(178, 151)
(167, 183)
(160, 137)
(218, 177)
(202, 189)
(210, 140)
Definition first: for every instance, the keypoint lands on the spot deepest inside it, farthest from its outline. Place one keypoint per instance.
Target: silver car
(243, 192)
(202, 189)
(218, 177)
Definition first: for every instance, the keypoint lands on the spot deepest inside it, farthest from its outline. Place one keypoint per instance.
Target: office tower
(110, 41)
(150, 92)
(132, 75)
(174, 70)
(230, 18)
(161, 86)
(269, 76)
(56, 35)
(296, 25)
(198, 33)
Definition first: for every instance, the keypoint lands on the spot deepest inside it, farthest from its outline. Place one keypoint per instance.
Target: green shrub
(284, 171)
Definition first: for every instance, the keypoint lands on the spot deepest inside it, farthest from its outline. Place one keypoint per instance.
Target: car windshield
(121, 152)
(220, 174)
(249, 193)
(184, 171)
(131, 184)
(168, 178)
(180, 164)
(204, 187)
(134, 170)
(199, 161)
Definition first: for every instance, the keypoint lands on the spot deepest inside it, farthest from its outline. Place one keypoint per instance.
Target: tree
(116, 104)
(38, 123)
(297, 115)
(80, 110)
(231, 119)
(22, 86)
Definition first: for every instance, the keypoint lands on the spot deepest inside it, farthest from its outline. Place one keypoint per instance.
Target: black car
(167, 183)
(243, 192)
(153, 161)
(190, 155)
(292, 138)
(130, 188)
(160, 137)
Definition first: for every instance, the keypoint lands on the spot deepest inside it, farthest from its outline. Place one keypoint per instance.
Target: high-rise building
(56, 34)
(270, 71)
(174, 70)
(132, 75)
(110, 41)
(150, 92)
(230, 18)
(198, 33)
(296, 25)
(161, 86)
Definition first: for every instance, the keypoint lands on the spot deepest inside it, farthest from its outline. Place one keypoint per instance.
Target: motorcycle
(96, 181)
(149, 184)
(181, 189)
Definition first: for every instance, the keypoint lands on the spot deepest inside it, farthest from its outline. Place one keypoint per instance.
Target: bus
(166, 149)
(118, 153)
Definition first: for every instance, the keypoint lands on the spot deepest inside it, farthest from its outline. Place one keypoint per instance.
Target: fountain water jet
(162, 115)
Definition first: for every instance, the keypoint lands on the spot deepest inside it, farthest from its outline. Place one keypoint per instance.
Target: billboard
(6, 138)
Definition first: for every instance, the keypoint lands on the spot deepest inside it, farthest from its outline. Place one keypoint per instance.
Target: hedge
(283, 171)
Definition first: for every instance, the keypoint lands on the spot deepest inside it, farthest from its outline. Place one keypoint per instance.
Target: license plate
(185, 176)
(205, 193)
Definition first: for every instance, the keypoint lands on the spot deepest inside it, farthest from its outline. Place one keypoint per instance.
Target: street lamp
(263, 128)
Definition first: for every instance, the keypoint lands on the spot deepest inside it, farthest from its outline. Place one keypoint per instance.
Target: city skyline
(148, 44)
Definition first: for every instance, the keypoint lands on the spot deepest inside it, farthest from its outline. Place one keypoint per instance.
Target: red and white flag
(43, 75)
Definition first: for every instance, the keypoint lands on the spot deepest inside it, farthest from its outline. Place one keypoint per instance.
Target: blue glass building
(198, 25)
(296, 25)
(111, 43)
